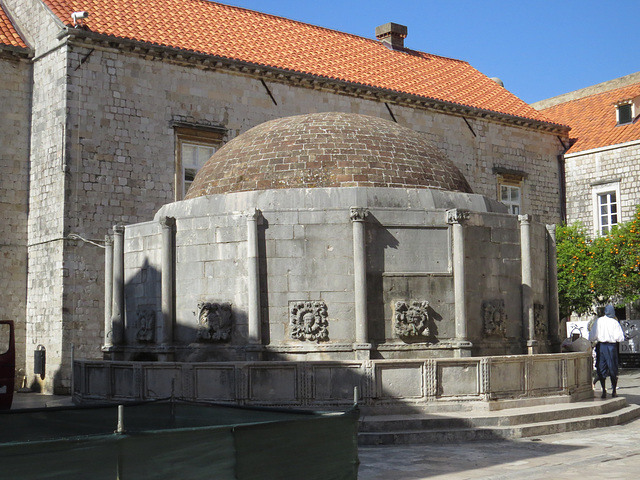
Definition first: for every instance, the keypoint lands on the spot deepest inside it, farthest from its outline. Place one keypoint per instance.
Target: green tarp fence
(177, 441)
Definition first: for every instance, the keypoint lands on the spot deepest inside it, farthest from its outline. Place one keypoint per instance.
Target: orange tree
(575, 264)
(616, 270)
(601, 271)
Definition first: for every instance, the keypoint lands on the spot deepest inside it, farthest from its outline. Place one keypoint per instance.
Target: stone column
(117, 308)
(168, 281)
(253, 278)
(456, 219)
(358, 216)
(108, 290)
(554, 307)
(528, 318)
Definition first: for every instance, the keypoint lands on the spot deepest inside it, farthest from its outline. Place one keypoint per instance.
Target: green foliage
(616, 273)
(575, 263)
(601, 271)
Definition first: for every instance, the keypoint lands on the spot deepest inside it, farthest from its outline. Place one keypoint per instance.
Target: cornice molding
(82, 37)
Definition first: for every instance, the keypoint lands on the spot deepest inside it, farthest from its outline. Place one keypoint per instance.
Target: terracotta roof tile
(593, 119)
(241, 34)
(8, 34)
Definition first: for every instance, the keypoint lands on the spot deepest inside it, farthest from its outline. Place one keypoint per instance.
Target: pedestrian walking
(606, 330)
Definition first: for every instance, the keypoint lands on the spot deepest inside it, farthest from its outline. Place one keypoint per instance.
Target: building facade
(602, 163)
(119, 110)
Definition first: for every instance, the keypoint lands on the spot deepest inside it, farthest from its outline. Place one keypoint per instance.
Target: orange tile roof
(593, 119)
(240, 34)
(8, 34)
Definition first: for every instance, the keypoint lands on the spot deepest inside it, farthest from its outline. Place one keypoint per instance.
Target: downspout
(562, 181)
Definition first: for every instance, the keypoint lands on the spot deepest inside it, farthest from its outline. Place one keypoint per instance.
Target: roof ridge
(591, 91)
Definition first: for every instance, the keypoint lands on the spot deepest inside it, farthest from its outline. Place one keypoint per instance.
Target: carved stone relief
(308, 321)
(411, 319)
(494, 317)
(146, 325)
(358, 214)
(214, 322)
(538, 316)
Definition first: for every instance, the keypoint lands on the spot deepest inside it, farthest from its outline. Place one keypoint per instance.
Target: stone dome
(327, 150)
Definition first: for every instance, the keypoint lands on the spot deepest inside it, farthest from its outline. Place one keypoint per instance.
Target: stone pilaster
(358, 216)
(528, 317)
(117, 308)
(552, 285)
(167, 286)
(253, 278)
(108, 290)
(456, 219)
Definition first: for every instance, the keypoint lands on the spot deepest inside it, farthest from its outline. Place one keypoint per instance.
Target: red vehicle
(7, 363)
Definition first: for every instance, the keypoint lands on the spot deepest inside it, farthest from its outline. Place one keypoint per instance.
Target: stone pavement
(611, 452)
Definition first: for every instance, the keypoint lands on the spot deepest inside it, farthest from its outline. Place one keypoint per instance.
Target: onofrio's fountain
(320, 252)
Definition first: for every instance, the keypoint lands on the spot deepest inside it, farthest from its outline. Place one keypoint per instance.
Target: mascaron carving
(308, 321)
(214, 322)
(540, 325)
(411, 319)
(146, 325)
(494, 317)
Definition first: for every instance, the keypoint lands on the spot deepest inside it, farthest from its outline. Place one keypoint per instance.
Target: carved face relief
(495, 317)
(411, 320)
(308, 321)
(146, 325)
(538, 316)
(214, 322)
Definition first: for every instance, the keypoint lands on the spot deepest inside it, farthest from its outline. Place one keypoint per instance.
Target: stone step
(449, 434)
(514, 416)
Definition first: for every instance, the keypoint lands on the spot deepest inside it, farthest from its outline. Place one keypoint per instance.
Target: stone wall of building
(15, 93)
(48, 196)
(618, 163)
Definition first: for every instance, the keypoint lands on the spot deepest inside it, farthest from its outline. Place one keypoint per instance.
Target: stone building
(116, 109)
(602, 162)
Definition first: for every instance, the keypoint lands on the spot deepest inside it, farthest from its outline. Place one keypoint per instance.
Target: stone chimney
(392, 35)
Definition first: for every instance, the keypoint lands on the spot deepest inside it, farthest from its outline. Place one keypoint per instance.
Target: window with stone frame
(510, 192)
(194, 146)
(606, 207)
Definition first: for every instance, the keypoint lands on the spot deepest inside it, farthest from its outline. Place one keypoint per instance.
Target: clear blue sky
(539, 48)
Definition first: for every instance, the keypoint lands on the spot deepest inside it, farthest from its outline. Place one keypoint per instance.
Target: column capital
(457, 215)
(253, 214)
(118, 229)
(552, 230)
(167, 222)
(358, 214)
(108, 241)
(525, 219)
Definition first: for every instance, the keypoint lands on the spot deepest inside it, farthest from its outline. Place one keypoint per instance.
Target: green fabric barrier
(177, 441)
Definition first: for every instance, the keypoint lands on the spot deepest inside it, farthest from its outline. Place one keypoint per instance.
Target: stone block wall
(384, 386)
(15, 91)
(493, 281)
(584, 169)
(306, 254)
(49, 270)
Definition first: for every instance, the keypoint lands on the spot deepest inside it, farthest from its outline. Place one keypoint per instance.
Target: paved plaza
(611, 452)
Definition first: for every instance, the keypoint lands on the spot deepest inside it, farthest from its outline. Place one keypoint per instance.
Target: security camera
(75, 16)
